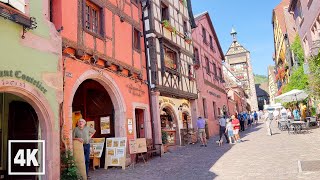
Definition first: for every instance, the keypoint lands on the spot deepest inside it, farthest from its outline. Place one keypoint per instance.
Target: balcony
(315, 47)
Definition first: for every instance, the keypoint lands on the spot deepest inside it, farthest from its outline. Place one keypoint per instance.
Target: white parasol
(293, 95)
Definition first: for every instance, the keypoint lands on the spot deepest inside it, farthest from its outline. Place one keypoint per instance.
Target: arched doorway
(169, 123)
(18, 121)
(94, 103)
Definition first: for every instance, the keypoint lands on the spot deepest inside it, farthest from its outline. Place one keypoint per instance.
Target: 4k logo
(25, 157)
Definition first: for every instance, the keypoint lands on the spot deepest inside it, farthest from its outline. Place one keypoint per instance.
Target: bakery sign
(20, 76)
(135, 89)
(214, 94)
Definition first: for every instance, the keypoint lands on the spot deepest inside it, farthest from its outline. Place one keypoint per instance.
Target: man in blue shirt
(201, 123)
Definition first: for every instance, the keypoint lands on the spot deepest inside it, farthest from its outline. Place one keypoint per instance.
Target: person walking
(255, 116)
(201, 123)
(236, 127)
(83, 134)
(229, 131)
(222, 129)
(269, 119)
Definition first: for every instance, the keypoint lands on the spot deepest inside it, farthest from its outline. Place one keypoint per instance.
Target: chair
(151, 149)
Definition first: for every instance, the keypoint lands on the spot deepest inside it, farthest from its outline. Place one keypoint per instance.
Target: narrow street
(258, 157)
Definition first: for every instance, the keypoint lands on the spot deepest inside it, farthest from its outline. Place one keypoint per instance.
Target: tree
(314, 67)
(297, 49)
(297, 80)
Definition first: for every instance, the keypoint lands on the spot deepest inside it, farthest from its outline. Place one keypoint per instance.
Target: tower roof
(235, 47)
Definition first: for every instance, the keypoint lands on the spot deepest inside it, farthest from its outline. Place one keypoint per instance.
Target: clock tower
(239, 62)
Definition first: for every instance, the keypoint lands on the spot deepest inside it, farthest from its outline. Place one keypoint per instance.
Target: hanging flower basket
(196, 66)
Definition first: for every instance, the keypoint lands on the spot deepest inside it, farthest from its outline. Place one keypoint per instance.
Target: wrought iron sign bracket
(32, 26)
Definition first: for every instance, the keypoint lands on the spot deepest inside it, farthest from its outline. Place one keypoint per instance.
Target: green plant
(166, 24)
(164, 136)
(314, 67)
(297, 80)
(297, 49)
(70, 171)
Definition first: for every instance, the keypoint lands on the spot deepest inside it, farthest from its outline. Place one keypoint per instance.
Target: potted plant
(187, 39)
(69, 168)
(166, 24)
(164, 136)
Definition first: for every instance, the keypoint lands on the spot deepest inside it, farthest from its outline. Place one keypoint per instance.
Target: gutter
(148, 67)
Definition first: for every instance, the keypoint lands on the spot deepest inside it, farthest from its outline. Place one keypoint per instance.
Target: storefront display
(115, 152)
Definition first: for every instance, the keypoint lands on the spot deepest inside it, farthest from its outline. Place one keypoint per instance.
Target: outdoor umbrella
(293, 95)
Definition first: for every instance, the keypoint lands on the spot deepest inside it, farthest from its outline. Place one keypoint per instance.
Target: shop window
(204, 35)
(207, 65)
(164, 12)
(204, 103)
(92, 20)
(170, 58)
(136, 39)
(17, 4)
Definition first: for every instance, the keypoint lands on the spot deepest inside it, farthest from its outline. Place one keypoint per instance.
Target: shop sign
(19, 75)
(214, 94)
(135, 89)
(167, 101)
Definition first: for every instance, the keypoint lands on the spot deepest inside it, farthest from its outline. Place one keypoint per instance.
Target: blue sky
(252, 21)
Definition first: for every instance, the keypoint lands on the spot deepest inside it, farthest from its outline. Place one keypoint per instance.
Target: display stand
(116, 152)
(138, 146)
(96, 149)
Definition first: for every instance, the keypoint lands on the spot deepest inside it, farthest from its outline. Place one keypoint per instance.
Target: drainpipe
(148, 67)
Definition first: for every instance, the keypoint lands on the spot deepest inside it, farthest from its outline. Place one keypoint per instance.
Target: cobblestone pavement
(258, 157)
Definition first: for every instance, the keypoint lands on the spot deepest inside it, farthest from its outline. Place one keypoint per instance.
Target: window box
(187, 39)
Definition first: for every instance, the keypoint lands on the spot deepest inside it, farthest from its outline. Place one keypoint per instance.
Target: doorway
(93, 102)
(140, 125)
(18, 121)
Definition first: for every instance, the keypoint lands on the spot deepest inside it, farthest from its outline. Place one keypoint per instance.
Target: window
(220, 73)
(136, 39)
(204, 103)
(18, 4)
(204, 35)
(196, 56)
(207, 65)
(190, 71)
(214, 109)
(215, 70)
(185, 28)
(92, 17)
(211, 43)
(170, 58)
(164, 12)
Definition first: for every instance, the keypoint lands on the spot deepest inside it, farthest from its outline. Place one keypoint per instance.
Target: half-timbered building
(167, 25)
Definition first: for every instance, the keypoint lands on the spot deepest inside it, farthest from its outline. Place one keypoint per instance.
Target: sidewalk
(258, 157)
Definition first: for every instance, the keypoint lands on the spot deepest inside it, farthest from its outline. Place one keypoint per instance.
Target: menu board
(116, 152)
(96, 147)
(137, 145)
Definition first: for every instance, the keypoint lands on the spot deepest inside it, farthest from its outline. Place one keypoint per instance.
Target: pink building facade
(307, 18)
(212, 99)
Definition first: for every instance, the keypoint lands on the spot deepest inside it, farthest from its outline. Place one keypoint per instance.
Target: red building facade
(105, 67)
(212, 99)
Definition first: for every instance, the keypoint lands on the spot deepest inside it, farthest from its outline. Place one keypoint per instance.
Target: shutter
(17, 4)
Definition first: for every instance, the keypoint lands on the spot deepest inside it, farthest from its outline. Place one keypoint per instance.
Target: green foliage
(297, 80)
(259, 79)
(71, 171)
(297, 49)
(314, 67)
(164, 136)
(166, 23)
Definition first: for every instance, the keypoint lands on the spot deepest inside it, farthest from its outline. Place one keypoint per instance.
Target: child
(229, 130)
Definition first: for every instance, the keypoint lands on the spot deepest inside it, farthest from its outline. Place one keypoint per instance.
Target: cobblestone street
(258, 157)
